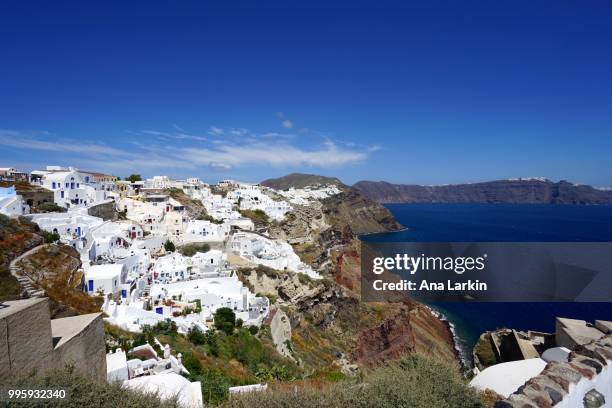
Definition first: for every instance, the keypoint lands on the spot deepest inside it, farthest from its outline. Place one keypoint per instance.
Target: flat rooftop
(13, 306)
(66, 328)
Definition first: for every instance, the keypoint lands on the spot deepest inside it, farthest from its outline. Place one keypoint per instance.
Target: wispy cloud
(239, 131)
(163, 154)
(179, 135)
(285, 121)
(28, 141)
(215, 131)
(277, 154)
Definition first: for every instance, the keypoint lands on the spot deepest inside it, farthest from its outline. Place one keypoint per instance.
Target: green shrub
(192, 249)
(266, 270)
(192, 364)
(225, 320)
(83, 392)
(215, 385)
(196, 336)
(167, 327)
(50, 237)
(413, 382)
(49, 207)
(169, 246)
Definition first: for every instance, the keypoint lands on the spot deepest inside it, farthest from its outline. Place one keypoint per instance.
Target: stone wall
(31, 342)
(106, 211)
(25, 336)
(564, 385)
(86, 350)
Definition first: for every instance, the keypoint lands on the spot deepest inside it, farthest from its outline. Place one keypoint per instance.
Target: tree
(50, 237)
(133, 177)
(169, 246)
(225, 320)
(196, 336)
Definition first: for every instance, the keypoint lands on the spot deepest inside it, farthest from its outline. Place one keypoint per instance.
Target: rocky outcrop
(194, 208)
(388, 340)
(520, 191)
(280, 328)
(300, 180)
(352, 213)
(330, 326)
(107, 211)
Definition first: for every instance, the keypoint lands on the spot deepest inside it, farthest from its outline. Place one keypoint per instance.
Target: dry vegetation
(414, 381)
(16, 237)
(55, 269)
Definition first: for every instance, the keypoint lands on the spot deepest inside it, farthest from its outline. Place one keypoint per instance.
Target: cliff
(300, 180)
(520, 191)
(330, 326)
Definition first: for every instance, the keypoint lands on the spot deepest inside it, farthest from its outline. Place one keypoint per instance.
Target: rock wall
(25, 337)
(107, 211)
(86, 350)
(29, 343)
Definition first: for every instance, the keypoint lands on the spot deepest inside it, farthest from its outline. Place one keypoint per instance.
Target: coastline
(461, 349)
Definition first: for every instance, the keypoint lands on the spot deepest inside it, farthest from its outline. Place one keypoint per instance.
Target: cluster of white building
(126, 262)
(304, 196)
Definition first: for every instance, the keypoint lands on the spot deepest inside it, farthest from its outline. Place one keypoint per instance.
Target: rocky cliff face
(525, 191)
(330, 326)
(300, 180)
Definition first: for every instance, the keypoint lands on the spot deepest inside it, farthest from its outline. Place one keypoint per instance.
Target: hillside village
(161, 257)
(131, 256)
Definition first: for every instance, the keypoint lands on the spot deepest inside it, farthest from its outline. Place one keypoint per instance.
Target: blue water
(505, 223)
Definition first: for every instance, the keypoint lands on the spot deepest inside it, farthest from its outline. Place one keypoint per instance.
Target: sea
(504, 223)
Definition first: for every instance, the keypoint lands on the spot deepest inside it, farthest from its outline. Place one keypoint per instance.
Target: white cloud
(215, 131)
(19, 140)
(239, 131)
(278, 155)
(268, 149)
(287, 124)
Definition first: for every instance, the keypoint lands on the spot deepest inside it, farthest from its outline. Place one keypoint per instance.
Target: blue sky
(431, 92)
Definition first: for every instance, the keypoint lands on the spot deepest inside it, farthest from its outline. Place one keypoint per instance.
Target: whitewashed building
(264, 251)
(107, 278)
(11, 203)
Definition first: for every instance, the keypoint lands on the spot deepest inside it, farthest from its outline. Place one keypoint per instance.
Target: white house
(116, 366)
(158, 182)
(71, 188)
(214, 293)
(107, 278)
(252, 197)
(11, 203)
(274, 254)
(73, 226)
(205, 231)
